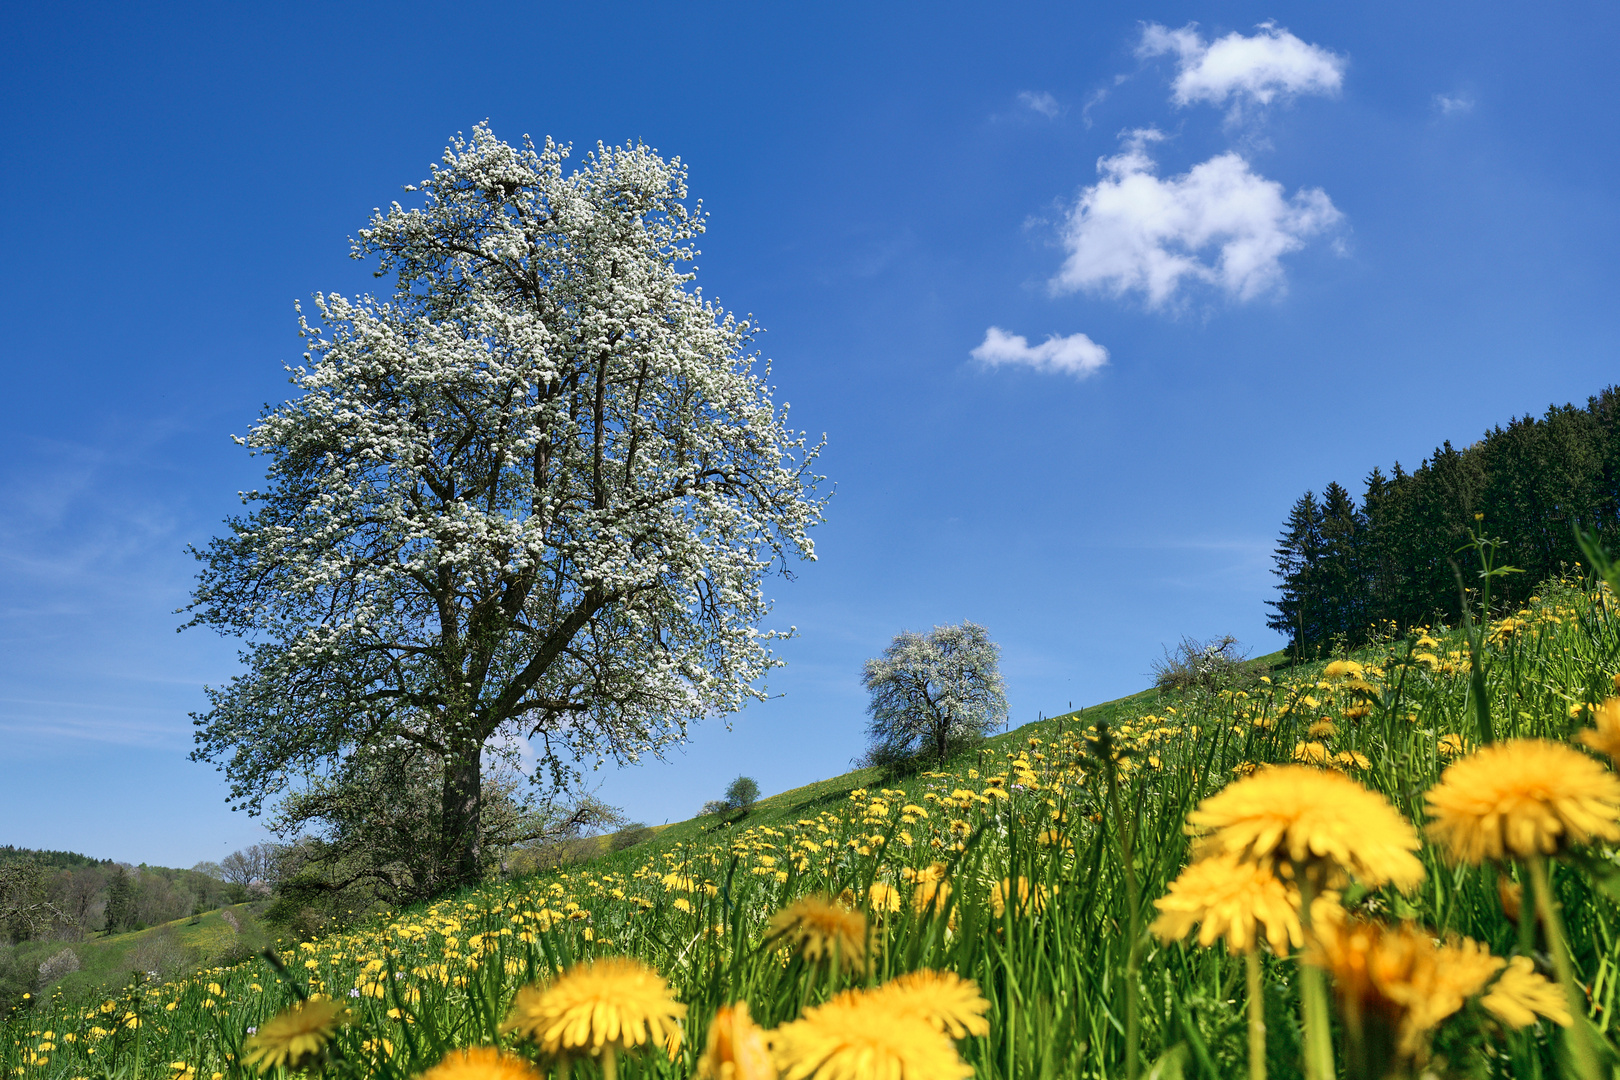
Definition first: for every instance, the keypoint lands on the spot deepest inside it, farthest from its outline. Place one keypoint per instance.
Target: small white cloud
(1075, 355)
(1269, 64)
(1453, 104)
(1040, 101)
(1219, 223)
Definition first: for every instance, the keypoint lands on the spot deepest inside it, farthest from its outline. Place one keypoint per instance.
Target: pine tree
(120, 902)
(1297, 561)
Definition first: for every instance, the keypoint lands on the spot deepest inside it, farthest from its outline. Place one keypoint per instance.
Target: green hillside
(1037, 867)
(107, 962)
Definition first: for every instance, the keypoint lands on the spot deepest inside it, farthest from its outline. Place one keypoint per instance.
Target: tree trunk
(461, 834)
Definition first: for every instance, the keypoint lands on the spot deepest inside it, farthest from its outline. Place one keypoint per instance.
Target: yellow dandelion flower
(1026, 900)
(1450, 745)
(1378, 973)
(883, 897)
(613, 1002)
(1311, 753)
(1454, 972)
(737, 1048)
(1300, 814)
(1523, 797)
(481, 1063)
(948, 1002)
(852, 1038)
(1322, 729)
(1519, 995)
(818, 927)
(1232, 899)
(931, 895)
(1339, 669)
(1350, 759)
(296, 1037)
(1605, 737)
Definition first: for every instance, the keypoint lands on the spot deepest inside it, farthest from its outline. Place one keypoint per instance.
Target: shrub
(630, 836)
(63, 963)
(1216, 664)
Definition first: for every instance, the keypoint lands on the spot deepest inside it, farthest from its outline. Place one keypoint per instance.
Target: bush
(63, 963)
(630, 836)
(164, 954)
(1216, 664)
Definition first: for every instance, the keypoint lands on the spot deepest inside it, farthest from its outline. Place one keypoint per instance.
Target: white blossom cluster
(533, 493)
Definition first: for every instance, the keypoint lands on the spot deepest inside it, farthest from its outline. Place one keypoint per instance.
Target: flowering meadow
(1395, 863)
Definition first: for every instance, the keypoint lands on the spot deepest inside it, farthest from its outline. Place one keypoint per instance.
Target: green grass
(1074, 986)
(107, 960)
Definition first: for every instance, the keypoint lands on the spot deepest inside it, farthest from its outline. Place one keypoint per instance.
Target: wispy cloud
(1269, 64)
(1041, 102)
(1454, 104)
(1075, 355)
(1220, 223)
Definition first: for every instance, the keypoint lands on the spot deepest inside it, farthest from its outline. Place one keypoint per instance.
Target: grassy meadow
(169, 948)
(1031, 867)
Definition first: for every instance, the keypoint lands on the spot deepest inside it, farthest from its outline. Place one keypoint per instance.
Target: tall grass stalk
(1577, 1038)
(1257, 1013)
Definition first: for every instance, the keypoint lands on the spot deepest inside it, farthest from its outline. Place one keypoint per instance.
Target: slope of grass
(1030, 867)
(106, 962)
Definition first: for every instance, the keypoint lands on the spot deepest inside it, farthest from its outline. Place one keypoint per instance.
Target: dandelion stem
(1313, 1004)
(1133, 897)
(1257, 1016)
(1580, 1046)
(610, 1063)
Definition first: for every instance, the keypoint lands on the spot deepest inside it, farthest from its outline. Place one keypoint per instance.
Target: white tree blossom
(934, 691)
(532, 494)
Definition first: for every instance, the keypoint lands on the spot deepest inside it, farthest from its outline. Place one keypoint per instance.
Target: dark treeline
(1346, 568)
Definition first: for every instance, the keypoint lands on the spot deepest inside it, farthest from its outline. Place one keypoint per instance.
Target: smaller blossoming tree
(933, 692)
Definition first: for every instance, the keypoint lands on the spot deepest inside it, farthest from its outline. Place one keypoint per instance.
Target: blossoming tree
(933, 691)
(532, 495)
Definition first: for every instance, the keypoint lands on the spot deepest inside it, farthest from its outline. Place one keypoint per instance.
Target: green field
(1043, 853)
(107, 961)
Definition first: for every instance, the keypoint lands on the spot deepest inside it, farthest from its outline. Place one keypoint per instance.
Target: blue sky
(1301, 240)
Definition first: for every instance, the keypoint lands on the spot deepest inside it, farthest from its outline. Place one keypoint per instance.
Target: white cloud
(1453, 104)
(1260, 68)
(1075, 355)
(1219, 223)
(1040, 101)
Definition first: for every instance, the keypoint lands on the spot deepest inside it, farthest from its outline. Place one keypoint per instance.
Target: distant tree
(933, 692)
(211, 869)
(532, 494)
(740, 795)
(120, 914)
(255, 862)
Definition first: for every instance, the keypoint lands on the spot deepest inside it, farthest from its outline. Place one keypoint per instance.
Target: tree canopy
(933, 692)
(533, 494)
